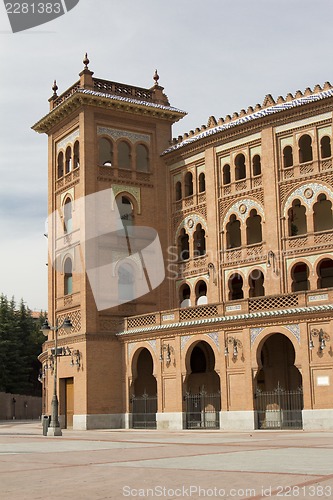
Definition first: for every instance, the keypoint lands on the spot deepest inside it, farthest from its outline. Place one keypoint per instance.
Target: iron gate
(202, 410)
(279, 409)
(144, 409)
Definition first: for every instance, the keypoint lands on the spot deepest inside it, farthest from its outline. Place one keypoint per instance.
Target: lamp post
(46, 328)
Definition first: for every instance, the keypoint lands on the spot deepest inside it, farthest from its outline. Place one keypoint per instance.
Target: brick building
(238, 334)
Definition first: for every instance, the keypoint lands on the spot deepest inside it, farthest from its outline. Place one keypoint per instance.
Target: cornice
(84, 97)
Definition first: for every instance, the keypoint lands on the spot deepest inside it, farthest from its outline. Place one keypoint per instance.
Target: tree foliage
(20, 345)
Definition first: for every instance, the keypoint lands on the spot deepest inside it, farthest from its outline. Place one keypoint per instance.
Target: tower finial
(55, 88)
(86, 61)
(156, 77)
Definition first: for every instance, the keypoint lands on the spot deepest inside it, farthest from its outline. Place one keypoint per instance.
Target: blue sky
(213, 58)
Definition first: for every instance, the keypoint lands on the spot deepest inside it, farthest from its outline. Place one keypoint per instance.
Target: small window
(185, 296)
(233, 232)
(297, 219)
(76, 154)
(124, 155)
(68, 221)
(199, 241)
(68, 280)
(178, 189)
(188, 184)
(253, 228)
(305, 149)
(60, 166)
(322, 214)
(256, 164)
(201, 293)
(240, 170)
(226, 175)
(183, 245)
(236, 287)
(142, 158)
(202, 183)
(325, 273)
(105, 152)
(300, 277)
(126, 211)
(256, 283)
(325, 147)
(68, 166)
(288, 160)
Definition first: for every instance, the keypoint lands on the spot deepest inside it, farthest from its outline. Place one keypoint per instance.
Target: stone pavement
(120, 464)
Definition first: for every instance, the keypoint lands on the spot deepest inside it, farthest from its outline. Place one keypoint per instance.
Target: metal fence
(202, 410)
(144, 409)
(279, 409)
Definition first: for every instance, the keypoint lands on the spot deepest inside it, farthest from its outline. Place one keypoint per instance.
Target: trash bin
(46, 423)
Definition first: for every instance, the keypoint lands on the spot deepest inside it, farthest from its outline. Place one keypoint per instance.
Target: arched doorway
(144, 392)
(202, 388)
(279, 395)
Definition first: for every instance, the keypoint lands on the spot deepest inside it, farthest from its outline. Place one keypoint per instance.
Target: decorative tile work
(75, 318)
(215, 338)
(152, 344)
(183, 341)
(134, 191)
(295, 330)
(130, 348)
(189, 223)
(133, 137)
(307, 194)
(69, 139)
(242, 210)
(254, 332)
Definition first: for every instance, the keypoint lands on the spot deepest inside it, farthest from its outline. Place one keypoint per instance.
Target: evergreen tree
(20, 344)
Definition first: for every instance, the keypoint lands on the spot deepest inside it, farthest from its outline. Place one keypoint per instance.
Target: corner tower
(101, 135)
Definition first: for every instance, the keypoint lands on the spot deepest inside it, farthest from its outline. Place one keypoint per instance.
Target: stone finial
(156, 77)
(55, 88)
(86, 61)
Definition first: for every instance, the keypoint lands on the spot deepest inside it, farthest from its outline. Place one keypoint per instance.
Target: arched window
(202, 183)
(300, 277)
(184, 296)
(325, 273)
(226, 175)
(126, 210)
(253, 228)
(188, 184)
(124, 155)
(288, 160)
(68, 277)
(68, 220)
(256, 165)
(305, 149)
(126, 281)
(201, 293)
(236, 287)
(178, 189)
(60, 164)
(233, 233)
(240, 170)
(142, 158)
(68, 157)
(256, 284)
(322, 214)
(325, 147)
(76, 154)
(183, 245)
(297, 219)
(105, 152)
(199, 241)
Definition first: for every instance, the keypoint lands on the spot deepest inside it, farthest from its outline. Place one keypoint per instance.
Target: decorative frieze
(116, 134)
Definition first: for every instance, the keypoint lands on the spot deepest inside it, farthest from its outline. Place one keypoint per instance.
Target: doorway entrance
(69, 402)
(144, 395)
(278, 393)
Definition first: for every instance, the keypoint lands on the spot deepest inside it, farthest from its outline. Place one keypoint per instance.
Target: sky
(214, 57)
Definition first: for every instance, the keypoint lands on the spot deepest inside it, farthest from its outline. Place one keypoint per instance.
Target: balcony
(224, 310)
(308, 242)
(303, 169)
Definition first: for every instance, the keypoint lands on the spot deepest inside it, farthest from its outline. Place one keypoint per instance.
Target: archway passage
(279, 395)
(202, 389)
(144, 396)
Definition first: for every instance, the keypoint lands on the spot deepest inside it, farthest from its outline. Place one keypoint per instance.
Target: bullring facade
(239, 333)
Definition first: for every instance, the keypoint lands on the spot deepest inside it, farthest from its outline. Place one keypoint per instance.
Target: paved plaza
(120, 464)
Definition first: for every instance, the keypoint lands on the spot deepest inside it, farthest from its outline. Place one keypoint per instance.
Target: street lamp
(46, 328)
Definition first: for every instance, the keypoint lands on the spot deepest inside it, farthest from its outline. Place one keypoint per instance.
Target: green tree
(20, 345)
